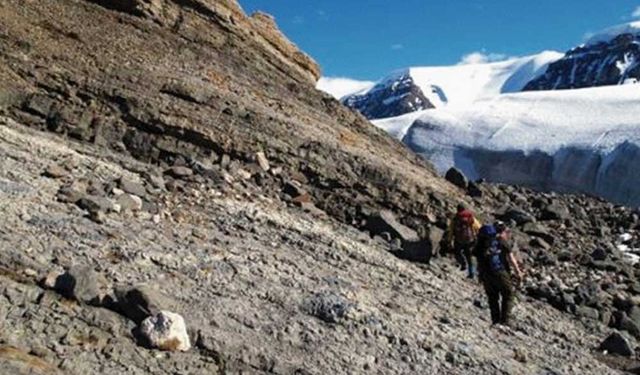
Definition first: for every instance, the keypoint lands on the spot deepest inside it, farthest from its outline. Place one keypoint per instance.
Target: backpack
(463, 228)
(493, 252)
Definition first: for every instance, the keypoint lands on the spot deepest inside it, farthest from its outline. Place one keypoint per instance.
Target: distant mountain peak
(418, 88)
(611, 57)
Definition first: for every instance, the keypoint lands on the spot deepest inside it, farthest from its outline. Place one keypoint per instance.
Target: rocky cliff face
(197, 80)
(605, 63)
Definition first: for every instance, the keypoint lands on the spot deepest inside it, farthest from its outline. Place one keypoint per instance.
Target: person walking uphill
(462, 233)
(495, 262)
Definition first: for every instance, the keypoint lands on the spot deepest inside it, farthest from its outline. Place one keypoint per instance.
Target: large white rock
(166, 331)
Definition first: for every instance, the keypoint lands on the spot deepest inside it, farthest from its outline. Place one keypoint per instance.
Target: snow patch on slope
(611, 33)
(464, 84)
(339, 87)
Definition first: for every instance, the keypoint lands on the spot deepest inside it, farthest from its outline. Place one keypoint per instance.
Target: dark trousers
(464, 258)
(500, 293)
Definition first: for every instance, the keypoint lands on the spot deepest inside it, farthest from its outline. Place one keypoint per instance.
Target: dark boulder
(473, 190)
(539, 230)
(141, 301)
(521, 217)
(617, 344)
(555, 211)
(456, 177)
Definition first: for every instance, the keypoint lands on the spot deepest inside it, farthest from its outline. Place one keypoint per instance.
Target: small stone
(450, 357)
(129, 202)
(293, 189)
(599, 254)
(94, 203)
(30, 272)
(587, 312)
(262, 160)
(117, 192)
(243, 174)
(179, 172)
(225, 160)
(49, 280)
(166, 331)
(156, 181)
(520, 356)
(68, 194)
(304, 198)
(98, 217)
(55, 171)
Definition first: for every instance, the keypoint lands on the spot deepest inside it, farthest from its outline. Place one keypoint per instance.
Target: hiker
(462, 232)
(495, 264)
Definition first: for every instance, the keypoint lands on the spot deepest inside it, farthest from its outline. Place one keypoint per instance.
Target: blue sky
(366, 39)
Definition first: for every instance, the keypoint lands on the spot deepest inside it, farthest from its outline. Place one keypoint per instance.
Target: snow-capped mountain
(611, 57)
(420, 88)
(584, 140)
(579, 140)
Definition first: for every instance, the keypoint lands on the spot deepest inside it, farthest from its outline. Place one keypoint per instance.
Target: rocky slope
(174, 156)
(263, 287)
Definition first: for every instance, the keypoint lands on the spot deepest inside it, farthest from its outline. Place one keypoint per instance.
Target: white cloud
(339, 87)
(397, 46)
(298, 20)
(636, 12)
(481, 57)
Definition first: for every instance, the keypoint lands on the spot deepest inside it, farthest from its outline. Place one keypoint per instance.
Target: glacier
(585, 140)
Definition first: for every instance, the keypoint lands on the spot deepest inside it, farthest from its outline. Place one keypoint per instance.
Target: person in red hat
(462, 235)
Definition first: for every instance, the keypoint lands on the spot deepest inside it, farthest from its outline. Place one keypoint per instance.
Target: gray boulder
(81, 283)
(327, 306)
(385, 221)
(132, 187)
